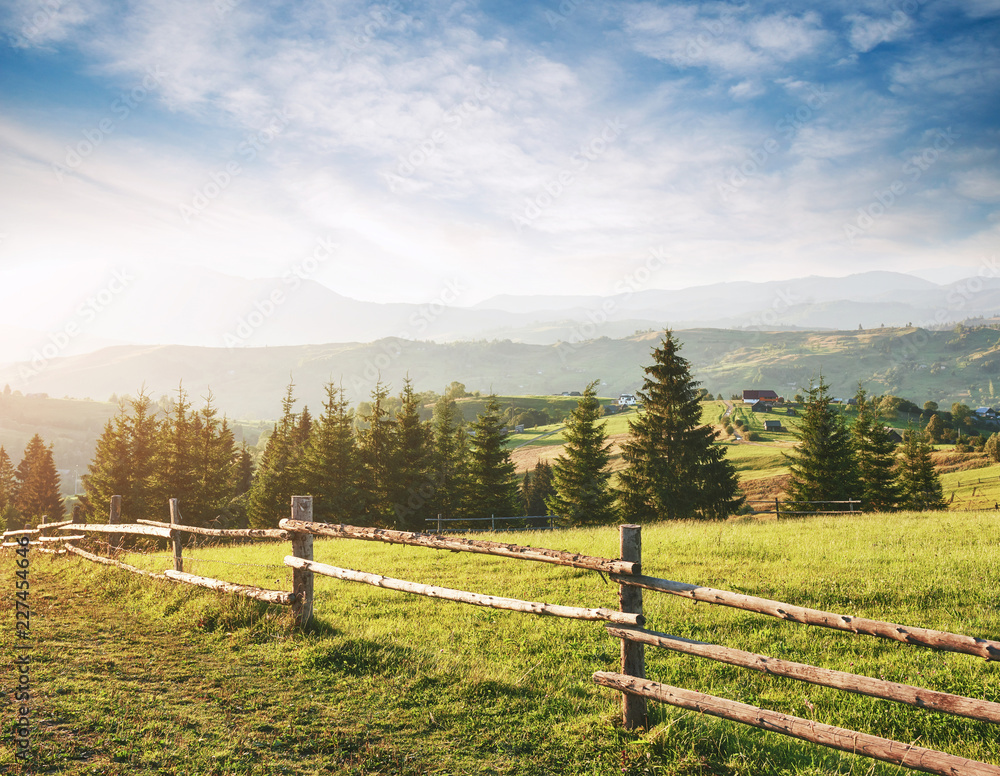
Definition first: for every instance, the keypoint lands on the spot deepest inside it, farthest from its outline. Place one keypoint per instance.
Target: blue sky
(547, 148)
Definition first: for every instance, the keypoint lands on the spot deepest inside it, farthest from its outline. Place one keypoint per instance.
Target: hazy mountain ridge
(249, 382)
(208, 309)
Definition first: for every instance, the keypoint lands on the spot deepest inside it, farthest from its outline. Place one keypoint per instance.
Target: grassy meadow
(139, 676)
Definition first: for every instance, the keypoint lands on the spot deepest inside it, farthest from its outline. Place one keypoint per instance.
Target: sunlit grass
(470, 668)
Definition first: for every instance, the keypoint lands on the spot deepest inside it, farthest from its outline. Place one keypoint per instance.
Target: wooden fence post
(633, 653)
(115, 518)
(777, 514)
(175, 536)
(302, 547)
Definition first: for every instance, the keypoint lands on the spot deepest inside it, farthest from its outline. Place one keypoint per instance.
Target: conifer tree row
(190, 456)
(30, 491)
(834, 463)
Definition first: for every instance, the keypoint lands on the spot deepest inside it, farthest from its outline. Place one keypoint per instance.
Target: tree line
(31, 489)
(834, 462)
(382, 465)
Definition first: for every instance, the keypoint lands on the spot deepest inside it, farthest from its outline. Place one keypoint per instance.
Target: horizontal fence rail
(575, 560)
(441, 521)
(112, 562)
(924, 637)
(887, 750)
(120, 528)
(247, 591)
(461, 596)
(959, 705)
(222, 533)
(786, 507)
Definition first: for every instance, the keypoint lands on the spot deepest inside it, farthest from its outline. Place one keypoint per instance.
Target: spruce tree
(215, 457)
(8, 479)
(875, 454)
(536, 488)
(581, 475)
(918, 480)
(493, 487)
(674, 471)
(450, 448)
(38, 485)
(145, 498)
(177, 469)
(412, 485)
(377, 451)
(10, 519)
(823, 466)
(330, 464)
(279, 473)
(108, 471)
(128, 462)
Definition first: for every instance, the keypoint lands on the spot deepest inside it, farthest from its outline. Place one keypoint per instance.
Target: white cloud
(726, 39)
(867, 32)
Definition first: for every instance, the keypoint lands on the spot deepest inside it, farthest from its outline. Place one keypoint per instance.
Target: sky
(498, 147)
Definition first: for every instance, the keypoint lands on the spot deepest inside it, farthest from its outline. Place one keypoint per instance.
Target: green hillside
(945, 366)
(140, 676)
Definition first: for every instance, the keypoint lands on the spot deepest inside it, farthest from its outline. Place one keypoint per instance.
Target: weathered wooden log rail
(625, 624)
(925, 637)
(887, 750)
(933, 700)
(461, 596)
(437, 542)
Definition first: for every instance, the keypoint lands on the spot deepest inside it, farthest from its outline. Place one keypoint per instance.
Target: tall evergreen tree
(492, 476)
(127, 462)
(377, 449)
(331, 465)
(145, 498)
(581, 475)
(450, 448)
(412, 487)
(177, 462)
(215, 458)
(674, 471)
(536, 488)
(918, 480)
(279, 474)
(875, 454)
(38, 485)
(823, 466)
(10, 518)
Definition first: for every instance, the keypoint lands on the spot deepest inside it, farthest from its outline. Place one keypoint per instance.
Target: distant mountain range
(248, 383)
(208, 309)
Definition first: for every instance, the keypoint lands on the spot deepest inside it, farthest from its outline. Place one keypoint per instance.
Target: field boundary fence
(788, 508)
(625, 624)
(496, 524)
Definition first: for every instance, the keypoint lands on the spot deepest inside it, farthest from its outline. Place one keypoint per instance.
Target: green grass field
(138, 676)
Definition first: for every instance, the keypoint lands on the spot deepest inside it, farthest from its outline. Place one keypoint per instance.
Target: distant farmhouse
(773, 425)
(627, 400)
(752, 397)
(894, 435)
(988, 415)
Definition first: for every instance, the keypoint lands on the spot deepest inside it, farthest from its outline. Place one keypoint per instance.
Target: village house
(752, 397)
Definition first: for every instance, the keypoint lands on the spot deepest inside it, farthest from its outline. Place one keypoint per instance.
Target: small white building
(627, 400)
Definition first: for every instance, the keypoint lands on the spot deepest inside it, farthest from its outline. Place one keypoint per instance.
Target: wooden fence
(788, 507)
(625, 624)
(529, 523)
